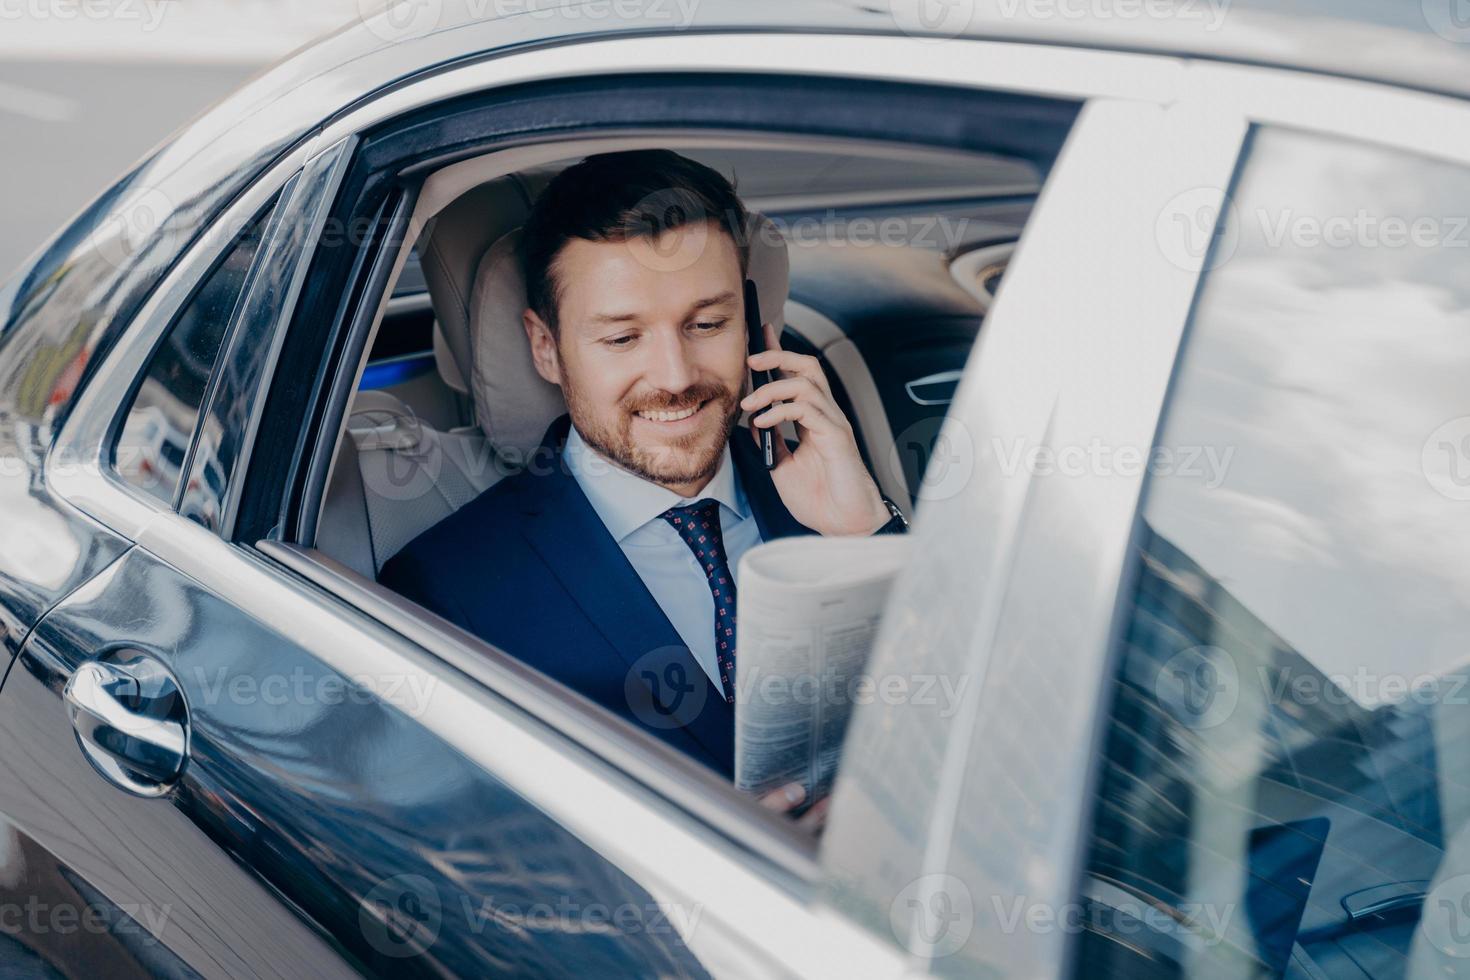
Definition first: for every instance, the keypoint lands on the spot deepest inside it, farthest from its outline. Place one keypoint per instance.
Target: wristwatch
(896, 523)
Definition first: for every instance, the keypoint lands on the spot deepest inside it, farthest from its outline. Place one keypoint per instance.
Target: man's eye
(707, 326)
(623, 341)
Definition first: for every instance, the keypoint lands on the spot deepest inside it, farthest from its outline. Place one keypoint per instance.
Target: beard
(689, 458)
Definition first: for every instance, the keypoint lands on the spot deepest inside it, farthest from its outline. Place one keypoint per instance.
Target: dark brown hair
(612, 197)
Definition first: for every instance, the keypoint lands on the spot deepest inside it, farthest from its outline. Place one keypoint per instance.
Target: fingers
(773, 336)
(784, 798)
(803, 413)
(814, 820)
(792, 365)
(792, 389)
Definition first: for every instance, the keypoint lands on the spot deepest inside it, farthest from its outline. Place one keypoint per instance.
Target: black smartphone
(755, 339)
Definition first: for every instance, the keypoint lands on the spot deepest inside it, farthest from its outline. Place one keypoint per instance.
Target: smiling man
(613, 569)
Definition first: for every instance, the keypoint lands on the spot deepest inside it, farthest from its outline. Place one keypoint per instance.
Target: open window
(896, 207)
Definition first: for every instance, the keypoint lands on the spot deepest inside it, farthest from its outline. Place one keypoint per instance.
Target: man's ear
(543, 346)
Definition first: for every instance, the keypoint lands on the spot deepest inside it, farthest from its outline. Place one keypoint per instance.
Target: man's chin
(672, 464)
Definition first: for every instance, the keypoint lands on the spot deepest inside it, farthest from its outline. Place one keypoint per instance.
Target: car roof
(208, 162)
(1391, 42)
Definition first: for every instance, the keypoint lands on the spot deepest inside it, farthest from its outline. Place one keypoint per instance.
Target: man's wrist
(894, 522)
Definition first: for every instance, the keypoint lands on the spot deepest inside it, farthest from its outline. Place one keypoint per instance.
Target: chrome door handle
(128, 718)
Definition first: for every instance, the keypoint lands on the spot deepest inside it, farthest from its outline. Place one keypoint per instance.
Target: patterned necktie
(699, 525)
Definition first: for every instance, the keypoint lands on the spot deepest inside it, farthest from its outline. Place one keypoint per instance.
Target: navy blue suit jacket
(529, 567)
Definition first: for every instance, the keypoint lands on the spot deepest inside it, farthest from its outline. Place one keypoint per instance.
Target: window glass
(1286, 780)
(155, 436)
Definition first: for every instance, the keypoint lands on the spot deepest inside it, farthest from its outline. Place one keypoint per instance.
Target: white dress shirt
(630, 507)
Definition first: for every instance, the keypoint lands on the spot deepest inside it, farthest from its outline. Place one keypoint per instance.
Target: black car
(1166, 689)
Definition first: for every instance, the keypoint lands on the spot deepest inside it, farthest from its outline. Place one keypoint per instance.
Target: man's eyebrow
(726, 297)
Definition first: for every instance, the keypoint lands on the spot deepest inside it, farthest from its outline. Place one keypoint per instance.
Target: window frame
(268, 216)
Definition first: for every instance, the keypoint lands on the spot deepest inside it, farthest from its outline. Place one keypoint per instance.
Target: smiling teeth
(668, 416)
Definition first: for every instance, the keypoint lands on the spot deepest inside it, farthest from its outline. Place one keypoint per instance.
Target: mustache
(688, 398)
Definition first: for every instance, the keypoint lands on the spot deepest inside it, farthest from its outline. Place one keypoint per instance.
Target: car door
(1217, 734)
(188, 773)
(1282, 756)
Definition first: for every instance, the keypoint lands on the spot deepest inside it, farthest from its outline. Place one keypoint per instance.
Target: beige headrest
(451, 247)
(513, 404)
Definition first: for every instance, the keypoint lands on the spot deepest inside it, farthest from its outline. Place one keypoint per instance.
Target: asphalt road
(68, 129)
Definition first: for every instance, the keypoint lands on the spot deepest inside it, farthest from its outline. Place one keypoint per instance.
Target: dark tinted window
(154, 439)
(1286, 781)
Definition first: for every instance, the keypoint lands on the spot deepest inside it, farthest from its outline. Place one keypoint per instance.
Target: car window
(154, 439)
(1285, 778)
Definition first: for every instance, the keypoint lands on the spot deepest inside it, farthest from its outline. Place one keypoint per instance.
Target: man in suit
(608, 562)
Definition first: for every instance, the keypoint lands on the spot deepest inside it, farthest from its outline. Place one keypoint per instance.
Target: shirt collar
(626, 502)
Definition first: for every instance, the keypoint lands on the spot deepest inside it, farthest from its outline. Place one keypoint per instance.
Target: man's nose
(672, 368)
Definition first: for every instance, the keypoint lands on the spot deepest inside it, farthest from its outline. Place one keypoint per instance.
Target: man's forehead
(644, 274)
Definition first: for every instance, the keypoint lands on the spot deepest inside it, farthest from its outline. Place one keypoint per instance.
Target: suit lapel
(666, 687)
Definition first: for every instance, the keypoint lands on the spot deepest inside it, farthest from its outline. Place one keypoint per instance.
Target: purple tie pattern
(699, 525)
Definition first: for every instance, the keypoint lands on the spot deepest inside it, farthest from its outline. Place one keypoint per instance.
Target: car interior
(879, 259)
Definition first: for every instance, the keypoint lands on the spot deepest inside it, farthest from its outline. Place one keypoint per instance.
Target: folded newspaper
(807, 613)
